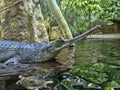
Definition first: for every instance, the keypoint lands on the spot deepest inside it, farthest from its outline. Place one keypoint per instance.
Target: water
(98, 61)
(92, 50)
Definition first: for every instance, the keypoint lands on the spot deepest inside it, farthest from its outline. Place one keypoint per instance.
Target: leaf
(61, 87)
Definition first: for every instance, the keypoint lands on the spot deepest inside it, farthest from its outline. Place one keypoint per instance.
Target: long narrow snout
(79, 37)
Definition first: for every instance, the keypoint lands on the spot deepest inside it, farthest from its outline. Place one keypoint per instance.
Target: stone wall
(22, 20)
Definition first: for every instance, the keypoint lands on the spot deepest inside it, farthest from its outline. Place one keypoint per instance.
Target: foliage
(75, 82)
(105, 70)
(93, 73)
(110, 10)
(82, 6)
(104, 76)
(47, 13)
(80, 13)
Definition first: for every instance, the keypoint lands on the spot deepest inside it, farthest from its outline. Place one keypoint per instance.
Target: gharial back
(9, 49)
(6, 45)
(12, 45)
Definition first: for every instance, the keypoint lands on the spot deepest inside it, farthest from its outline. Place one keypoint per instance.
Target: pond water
(98, 61)
(97, 50)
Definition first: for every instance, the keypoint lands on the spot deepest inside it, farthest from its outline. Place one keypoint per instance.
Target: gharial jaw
(55, 47)
(45, 51)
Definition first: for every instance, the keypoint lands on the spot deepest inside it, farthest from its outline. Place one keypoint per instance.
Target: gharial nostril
(12, 62)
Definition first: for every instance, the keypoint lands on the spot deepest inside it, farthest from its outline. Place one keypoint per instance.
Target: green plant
(80, 13)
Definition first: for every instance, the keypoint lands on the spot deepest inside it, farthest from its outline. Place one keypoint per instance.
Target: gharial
(14, 52)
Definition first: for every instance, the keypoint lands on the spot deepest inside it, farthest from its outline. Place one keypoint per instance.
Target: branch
(11, 5)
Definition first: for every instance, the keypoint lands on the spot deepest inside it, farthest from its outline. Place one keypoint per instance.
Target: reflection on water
(92, 51)
(88, 53)
(100, 59)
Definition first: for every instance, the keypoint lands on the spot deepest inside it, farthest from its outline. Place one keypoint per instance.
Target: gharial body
(15, 52)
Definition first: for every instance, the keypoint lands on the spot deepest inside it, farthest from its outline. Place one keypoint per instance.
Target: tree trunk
(59, 18)
(68, 52)
(22, 20)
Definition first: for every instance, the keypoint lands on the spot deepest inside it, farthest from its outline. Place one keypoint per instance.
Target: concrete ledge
(104, 36)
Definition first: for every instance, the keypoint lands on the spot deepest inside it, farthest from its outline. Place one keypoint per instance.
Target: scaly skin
(15, 52)
(27, 52)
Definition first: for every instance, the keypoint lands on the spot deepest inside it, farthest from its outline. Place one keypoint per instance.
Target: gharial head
(53, 48)
(50, 51)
